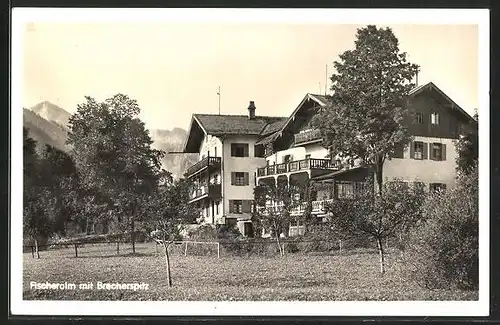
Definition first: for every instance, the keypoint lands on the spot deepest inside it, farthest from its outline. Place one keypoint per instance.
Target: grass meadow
(346, 275)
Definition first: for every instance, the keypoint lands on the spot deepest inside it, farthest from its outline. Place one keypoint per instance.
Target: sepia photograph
(250, 162)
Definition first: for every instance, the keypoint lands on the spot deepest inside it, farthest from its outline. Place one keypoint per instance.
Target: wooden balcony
(318, 207)
(212, 191)
(298, 165)
(203, 164)
(308, 136)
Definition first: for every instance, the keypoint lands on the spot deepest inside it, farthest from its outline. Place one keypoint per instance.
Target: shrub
(443, 250)
(203, 233)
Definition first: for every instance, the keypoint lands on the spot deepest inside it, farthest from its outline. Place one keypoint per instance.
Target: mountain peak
(51, 112)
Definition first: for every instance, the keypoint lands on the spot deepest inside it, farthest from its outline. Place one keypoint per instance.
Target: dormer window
(435, 118)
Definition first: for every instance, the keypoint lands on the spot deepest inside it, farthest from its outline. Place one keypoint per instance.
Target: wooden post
(117, 248)
(76, 250)
(32, 251)
(186, 249)
(218, 250)
(340, 245)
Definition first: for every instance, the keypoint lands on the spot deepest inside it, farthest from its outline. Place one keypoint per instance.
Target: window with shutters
(239, 149)
(435, 118)
(240, 178)
(418, 150)
(438, 151)
(235, 206)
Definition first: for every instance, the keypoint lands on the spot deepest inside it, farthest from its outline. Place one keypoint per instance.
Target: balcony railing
(317, 207)
(213, 191)
(307, 136)
(205, 162)
(298, 165)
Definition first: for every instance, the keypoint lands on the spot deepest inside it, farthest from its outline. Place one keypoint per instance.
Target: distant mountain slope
(169, 141)
(47, 124)
(52, 112)
(43, 131)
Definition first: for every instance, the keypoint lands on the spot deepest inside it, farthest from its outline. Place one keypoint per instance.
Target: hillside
(45, 123)
(44, 131)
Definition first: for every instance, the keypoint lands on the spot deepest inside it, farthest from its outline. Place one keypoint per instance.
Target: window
(239, 149)
(438, 151)
(239, 178)
(259, 151)
(236, 206)
(419, 118)
(345, 190)
(437, 187)
(435, 118)
(418, 150)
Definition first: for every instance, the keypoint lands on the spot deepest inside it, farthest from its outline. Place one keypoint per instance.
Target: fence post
(186, 249)
(76, 250)
(32, 251)
(218, 250)
(117, 248)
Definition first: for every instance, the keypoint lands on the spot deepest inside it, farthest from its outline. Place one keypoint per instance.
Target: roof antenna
(218, 94)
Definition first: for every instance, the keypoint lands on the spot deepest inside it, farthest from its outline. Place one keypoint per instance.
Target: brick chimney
(251, 110)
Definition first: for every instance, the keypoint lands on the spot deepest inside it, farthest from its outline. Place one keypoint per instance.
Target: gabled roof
(321, 100)
(235, 124)
(219, 125)
(431, 86)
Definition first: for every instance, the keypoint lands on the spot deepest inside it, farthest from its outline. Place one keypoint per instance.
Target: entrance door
(248, 229)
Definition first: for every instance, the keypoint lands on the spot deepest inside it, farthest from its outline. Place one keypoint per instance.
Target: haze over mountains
(48, 124)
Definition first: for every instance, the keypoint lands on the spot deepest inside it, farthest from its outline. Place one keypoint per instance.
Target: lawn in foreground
(347, 276)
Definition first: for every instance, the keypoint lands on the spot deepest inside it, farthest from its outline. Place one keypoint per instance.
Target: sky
(173, 70)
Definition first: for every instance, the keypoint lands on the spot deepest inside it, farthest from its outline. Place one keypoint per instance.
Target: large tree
(368, 112)
(467, 147)
(114, 155)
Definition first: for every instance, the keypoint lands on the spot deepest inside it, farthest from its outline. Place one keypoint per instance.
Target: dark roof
(236, 124)
(431, 86)
(273, 127)
(278, 127)
(331, 175)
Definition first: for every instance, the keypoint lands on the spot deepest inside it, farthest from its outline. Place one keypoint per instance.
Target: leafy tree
(443, 250)
(114, 155)
(378, 216)
(275, 204)
(58, 174)
(367, 115)
(36, 224)
(467, 147)
(167, 211)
